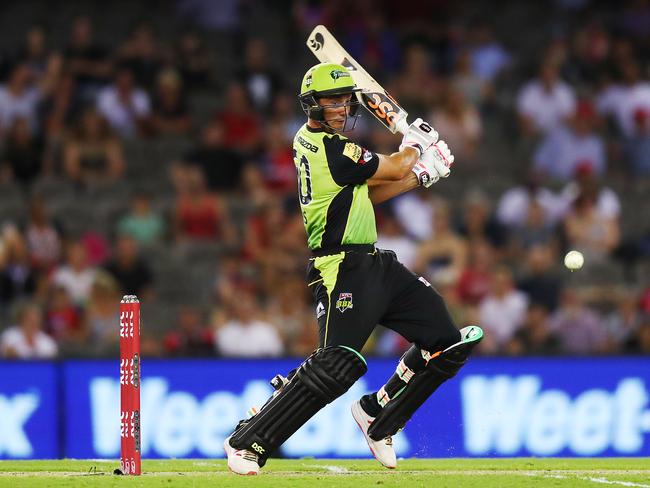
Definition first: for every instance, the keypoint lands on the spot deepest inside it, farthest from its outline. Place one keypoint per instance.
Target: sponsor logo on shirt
(320, 310)
(307, 145)
(352, 151)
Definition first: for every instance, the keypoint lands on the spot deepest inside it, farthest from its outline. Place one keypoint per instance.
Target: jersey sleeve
(349, 163)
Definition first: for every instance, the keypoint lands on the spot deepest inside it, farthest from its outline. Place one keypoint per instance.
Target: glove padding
(434, 164)
(419, 135)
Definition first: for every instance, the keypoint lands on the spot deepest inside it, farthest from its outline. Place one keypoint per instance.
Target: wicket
(130, 385)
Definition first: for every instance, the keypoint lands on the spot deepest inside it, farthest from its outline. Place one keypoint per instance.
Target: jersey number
(304, 181)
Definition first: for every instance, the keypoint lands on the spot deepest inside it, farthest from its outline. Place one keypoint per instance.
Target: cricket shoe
(383, 449)
(241, 461)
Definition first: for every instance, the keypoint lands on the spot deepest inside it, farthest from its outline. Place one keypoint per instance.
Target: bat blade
(372, 96)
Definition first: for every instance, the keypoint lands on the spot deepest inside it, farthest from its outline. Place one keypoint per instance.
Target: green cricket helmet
(325, 80)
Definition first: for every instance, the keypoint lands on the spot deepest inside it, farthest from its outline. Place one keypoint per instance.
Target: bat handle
(402, 125)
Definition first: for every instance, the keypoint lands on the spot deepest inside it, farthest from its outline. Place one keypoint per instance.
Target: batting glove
(419, 135)
(434, 164)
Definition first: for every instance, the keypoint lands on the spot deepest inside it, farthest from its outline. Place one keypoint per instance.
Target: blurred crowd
(552, 145)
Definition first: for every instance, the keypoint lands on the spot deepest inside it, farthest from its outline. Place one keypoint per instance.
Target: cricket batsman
(355, 285)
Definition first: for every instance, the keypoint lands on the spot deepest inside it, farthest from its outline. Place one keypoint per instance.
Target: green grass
(429, 473)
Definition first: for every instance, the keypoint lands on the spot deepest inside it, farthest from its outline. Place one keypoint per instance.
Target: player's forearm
(382, 192)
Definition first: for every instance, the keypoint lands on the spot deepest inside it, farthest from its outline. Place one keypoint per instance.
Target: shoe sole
(226, 446)
(368, 440)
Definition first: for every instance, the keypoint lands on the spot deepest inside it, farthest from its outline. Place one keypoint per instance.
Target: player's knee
(440, 336)
(331, 371)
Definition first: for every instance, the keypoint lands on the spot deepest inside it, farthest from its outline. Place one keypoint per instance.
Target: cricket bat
(372, 96)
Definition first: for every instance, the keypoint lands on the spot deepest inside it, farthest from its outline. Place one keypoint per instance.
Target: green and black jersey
(333, 193)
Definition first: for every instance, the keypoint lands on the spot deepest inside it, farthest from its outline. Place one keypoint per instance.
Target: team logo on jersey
(344, 302)
(367, 156)
(352, 151)
(320, 310)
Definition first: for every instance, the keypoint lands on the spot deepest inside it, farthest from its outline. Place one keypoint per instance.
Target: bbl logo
(344, 302)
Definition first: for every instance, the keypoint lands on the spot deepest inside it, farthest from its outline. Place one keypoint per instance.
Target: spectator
(93, 154)
(623, 323)
(579, 328)
(489, 58)
(415, 212)
(443, 257)
(34, 51)
(20, 98)
(221, 166)
(63, 320)
(125, 106)
(103, 312)
(43, 237)
(240, 124)
(588, 230)
(477, 220)
(460, 123)
(277, 162)
(640, 342)
(287, 310)
(637, 146)
(416, 86)
(545, 103)
(289, 120)
(17, 278)
(566, 148)
(234, 276)
(535, 231)
(584, 181)
(253, 186)
(245, 334)
(261, 230)
(26, 339)
(502, 311)
(198, 213)
(475, 89)
(194, 60)
(391, 235)
(534, 337)
(628, 99)
(142, 54)
(130, 269)
(514, 204)
(285, 251)
(373, 41)
(192, 338)
(76, 276)
(141, 222)
(87, 61)
(476, 279)
(170, 115)
(22, 157)
(539, 281)
(261, 82)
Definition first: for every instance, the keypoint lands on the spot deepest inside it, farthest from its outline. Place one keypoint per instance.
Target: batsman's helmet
(325, 80)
